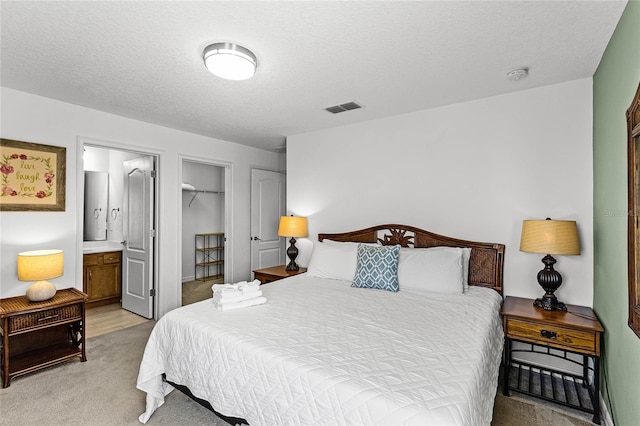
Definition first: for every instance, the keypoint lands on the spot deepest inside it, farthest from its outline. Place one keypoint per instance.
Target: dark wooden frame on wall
(633, 229)
(56, 181)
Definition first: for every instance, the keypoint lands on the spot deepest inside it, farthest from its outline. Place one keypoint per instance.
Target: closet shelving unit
(209, 256)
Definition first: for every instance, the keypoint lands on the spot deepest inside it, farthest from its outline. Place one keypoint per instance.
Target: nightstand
(275, 273)
(554, 334)
(36, 335)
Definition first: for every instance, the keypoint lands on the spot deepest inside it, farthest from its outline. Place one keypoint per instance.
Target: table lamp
(39, 266)
(550, 237)
(292, 226)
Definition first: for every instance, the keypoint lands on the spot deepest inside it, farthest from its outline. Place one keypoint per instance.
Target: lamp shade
(550, 237)
(292, 226)
(39, 265)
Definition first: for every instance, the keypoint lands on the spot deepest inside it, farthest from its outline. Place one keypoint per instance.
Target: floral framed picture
(32, 176)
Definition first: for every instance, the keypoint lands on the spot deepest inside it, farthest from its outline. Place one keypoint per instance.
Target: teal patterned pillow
(377, 267)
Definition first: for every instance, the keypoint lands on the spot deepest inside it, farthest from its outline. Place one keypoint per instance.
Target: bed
(322, 351)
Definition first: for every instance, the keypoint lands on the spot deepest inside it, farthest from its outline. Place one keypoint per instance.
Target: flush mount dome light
(230, 61)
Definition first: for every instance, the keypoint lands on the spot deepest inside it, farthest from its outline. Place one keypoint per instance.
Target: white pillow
(466, 255)
(437, 269)
(334, 260)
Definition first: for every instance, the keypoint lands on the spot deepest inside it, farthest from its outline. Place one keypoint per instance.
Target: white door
(138, 227)
(267, 205)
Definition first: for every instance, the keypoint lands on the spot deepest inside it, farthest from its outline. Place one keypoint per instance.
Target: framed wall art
(32, 176)
(633, 226)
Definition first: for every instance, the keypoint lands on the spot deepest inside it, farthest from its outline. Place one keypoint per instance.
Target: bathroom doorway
(205, 246)
(119, 260)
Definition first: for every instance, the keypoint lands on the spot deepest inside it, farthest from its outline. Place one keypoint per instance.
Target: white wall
(472, 170)
(36, 119)
(206, 213)
(96, 159)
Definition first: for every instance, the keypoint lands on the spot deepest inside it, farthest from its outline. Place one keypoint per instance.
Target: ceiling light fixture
(230, 61)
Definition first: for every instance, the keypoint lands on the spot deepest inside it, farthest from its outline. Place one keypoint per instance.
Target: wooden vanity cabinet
(102, 278)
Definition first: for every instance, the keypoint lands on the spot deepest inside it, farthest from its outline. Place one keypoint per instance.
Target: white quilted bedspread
(322, 352)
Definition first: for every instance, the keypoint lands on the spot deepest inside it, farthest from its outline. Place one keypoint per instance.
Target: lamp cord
(606, 384)
(582, 315)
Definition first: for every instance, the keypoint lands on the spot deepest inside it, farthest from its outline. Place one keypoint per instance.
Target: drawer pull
(548, 334)
(48, 318)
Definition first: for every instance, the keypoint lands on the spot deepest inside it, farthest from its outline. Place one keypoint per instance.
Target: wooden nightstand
(275, 273)
(36, 335)
(556, 334)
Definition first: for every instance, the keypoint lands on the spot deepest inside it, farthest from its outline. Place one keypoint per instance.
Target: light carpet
(102, 391)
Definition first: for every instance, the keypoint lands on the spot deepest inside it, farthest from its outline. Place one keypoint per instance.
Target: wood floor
(108, 318)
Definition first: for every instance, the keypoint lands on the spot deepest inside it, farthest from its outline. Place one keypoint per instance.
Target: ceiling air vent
(343, 107)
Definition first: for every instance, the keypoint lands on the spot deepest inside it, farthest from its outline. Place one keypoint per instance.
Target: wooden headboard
(486, 264)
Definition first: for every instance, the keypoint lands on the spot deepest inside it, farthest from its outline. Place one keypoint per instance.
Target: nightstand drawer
(565, 338)
(50, 316)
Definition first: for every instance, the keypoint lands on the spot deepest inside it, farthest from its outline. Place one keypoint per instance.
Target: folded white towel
(249, 287)
(228, 293)
(224, 286)
(238, 292)
(238, 305)
(229, 290)
(227, 298)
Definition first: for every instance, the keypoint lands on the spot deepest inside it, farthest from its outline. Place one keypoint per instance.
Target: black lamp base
(549, 302)
(292, 253)
(550, 280)
(292, 266)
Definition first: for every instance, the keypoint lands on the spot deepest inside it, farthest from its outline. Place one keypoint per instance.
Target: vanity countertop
(90, 247)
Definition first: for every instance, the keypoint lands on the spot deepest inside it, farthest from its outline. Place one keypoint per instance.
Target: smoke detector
(517, 74)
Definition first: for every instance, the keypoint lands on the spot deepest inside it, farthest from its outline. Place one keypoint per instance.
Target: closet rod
(198, 191)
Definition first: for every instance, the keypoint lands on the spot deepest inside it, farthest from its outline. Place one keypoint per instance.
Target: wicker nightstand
(575, 331)
(275, 273)
(36, 335)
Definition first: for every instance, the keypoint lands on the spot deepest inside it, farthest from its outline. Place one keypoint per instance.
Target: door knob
(257, 239)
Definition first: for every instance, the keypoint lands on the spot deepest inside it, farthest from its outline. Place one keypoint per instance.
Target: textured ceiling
(143, 59)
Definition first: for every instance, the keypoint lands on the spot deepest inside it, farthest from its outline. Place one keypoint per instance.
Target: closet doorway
(204, 225)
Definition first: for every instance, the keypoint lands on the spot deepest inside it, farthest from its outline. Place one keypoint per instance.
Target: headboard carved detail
(486, 265)
(396, 237)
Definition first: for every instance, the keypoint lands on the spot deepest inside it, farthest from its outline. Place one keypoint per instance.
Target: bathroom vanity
(102, 277)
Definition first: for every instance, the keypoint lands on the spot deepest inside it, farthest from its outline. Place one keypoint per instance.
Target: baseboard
(188, 279)
(604, 413)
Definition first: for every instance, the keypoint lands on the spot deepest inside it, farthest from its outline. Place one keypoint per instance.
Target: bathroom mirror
(96, 201)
